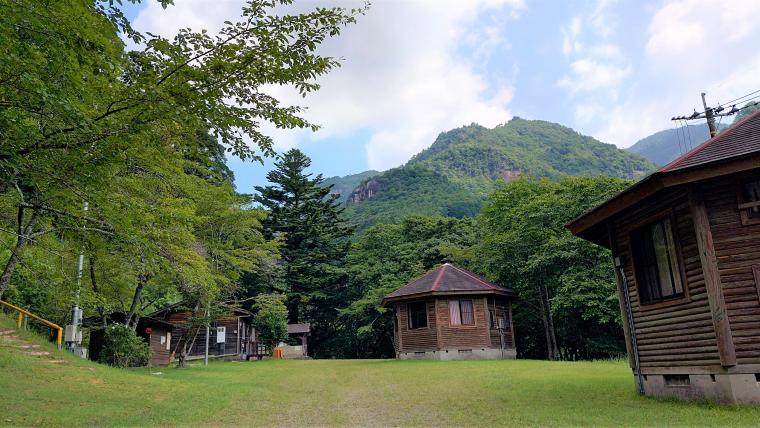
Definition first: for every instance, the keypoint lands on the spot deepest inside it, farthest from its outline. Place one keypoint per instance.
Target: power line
(737, 99)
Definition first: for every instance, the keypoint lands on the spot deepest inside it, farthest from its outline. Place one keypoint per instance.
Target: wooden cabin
(230, 337)
(452, 314)
(156, 333)
(686, 248)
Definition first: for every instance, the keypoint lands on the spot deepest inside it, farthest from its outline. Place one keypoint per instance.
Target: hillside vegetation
(454, 175)
(664, 146)
(34, 392)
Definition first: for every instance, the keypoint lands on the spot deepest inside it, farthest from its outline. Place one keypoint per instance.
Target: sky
(411, 69)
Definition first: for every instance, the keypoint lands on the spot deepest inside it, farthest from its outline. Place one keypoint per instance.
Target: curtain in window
(454, 317)
(468, 317)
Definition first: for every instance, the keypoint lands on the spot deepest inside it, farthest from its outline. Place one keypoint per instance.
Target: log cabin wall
(464, 336)
(418, 339)
(672, 333)
(737, 248)
(229, 347)
(159, 355)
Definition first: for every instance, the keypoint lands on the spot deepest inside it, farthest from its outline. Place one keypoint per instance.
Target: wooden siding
(737, 249)
(229, 347)
(464, 336)
(418, 339)
(440, 334)
(679, 332)
(159, 355)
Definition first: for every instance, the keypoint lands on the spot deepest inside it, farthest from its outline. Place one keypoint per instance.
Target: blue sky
(616, 70)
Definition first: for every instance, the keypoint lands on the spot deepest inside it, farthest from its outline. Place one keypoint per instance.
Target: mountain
(664, 146)
(343, 186)
(456, 173)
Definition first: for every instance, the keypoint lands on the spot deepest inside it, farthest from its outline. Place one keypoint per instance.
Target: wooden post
(621, 299)
(711, 274)
(437, 324)
(20, 320)
(488, 320)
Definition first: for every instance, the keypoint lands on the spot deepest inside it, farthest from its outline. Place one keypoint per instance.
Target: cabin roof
(734, 150)
(447, 279)
(180, 306)
(299, 328)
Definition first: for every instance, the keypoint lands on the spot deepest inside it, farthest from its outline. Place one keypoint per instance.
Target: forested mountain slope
(343, 186)
(455, 174)
(664, 146)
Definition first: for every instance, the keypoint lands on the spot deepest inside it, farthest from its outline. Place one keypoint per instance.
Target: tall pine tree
(315, 236)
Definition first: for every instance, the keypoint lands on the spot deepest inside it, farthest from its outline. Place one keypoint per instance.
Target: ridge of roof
(672, 165)
(437, 282)
(481, 280)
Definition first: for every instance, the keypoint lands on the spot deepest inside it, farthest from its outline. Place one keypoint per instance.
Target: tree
(72, 100)
(271, 319)
(565, 284)
(315, 241)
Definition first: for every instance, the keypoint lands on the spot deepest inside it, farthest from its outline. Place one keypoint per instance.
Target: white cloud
(596, 63)
(692, 46)
(589, 74)
(404, 77)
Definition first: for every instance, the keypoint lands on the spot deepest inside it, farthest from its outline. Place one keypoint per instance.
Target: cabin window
(656, 262)
(492, 315)
(417, 315)
(750, 202)
(461, 312)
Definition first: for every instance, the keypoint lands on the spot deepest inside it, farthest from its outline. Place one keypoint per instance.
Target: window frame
(740, 200)
(459, 305)
(679, 274)
(409, 315)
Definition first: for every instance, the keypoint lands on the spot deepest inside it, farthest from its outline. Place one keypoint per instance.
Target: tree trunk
(136, 299)
(23, 233)
(186, 347)
(546, 317)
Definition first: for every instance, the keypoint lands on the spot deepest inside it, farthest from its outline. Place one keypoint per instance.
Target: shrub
(123, 348)
(271, 320)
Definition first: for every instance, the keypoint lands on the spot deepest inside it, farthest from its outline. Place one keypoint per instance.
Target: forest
(120, 155)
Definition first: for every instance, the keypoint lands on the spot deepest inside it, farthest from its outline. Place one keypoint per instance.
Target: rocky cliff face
(365, 191)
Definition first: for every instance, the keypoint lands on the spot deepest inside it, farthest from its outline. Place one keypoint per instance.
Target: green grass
(352, 392)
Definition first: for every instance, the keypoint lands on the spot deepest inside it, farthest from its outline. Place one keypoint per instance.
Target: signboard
(221, 333)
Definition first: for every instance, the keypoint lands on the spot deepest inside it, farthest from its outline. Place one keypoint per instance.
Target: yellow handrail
(22, 312)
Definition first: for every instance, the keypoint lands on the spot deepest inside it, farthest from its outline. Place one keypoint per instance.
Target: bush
(123, 348)
(271, 321)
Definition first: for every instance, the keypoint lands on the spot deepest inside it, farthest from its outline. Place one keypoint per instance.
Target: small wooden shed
(231, 336)
(450, 314)
(155, 332)
(686, 247)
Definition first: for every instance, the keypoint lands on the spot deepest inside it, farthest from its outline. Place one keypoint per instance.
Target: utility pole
(208, 332)
(710, 117)
(74, 330)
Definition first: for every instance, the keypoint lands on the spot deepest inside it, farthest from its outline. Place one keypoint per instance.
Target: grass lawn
(34, 391)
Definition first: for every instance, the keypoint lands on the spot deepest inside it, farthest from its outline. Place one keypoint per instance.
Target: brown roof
(733, 150)
(299, 328)
(447, 279)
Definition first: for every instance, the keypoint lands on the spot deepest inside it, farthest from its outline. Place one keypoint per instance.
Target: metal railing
(24, 312)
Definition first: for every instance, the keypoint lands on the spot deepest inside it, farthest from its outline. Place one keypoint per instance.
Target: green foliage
(310, 223)
(523, 244)
(747, 110)
(271, 320)
(456, 174)
(141, 136)
(123, 348)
